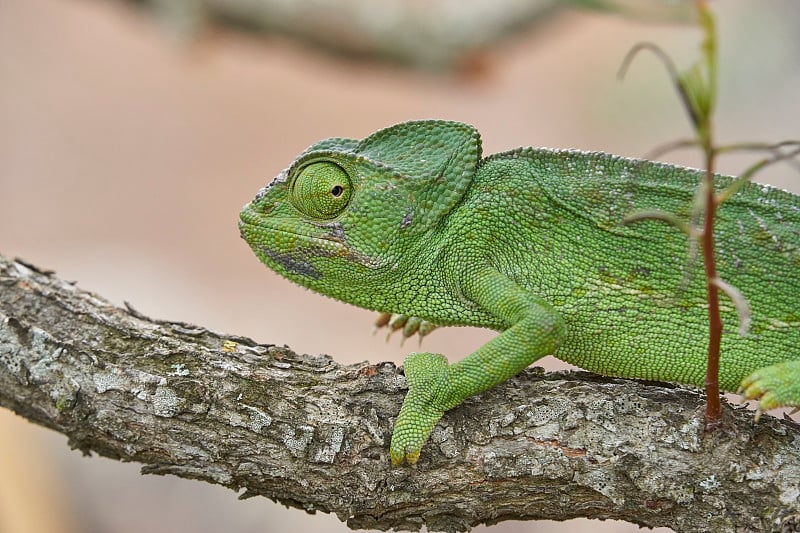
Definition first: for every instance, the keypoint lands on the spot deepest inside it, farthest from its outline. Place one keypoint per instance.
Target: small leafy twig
(697, 88)
(700, 84)
(775, 148)
(671, 146)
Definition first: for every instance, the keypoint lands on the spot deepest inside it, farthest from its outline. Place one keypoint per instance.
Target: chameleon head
(347, 212)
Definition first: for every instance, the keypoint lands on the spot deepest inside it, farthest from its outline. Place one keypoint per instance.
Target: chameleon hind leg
(773, 386)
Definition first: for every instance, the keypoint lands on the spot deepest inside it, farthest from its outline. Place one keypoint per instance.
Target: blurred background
(131, 133)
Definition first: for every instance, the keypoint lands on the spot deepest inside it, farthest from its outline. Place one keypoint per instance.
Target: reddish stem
(713, 405)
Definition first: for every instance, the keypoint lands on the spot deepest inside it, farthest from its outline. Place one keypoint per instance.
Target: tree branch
(313, 434)
(437, 35)
(434, 34)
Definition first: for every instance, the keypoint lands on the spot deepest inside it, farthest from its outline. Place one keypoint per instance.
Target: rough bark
(313, 434)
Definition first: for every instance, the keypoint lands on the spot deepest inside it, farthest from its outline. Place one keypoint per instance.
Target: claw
(425, 328)
(381, 321)
(409, 458)
(773, 386)
(410, 325)
(390, 321)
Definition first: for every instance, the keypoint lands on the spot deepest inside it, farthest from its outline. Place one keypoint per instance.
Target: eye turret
(321, 190)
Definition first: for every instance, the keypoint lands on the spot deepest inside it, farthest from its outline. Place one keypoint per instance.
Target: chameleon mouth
(292, 259)
(250, 222)
(329, 242)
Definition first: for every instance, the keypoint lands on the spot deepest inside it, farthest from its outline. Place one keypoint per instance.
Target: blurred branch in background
(427, 34)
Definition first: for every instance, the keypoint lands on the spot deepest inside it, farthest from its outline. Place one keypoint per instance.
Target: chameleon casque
(413, 221)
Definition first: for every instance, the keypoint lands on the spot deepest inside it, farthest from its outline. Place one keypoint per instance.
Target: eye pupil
(337, 190)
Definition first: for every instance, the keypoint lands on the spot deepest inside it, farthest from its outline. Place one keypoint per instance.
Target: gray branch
(430, 34)
(313, 434)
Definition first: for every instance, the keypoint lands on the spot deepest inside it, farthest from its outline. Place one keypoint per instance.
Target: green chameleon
(412, 221)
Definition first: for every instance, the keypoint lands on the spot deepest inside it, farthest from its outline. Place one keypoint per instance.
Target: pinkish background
(125, 157)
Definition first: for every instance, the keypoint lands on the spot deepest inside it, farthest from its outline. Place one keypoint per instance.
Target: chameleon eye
(321, 190)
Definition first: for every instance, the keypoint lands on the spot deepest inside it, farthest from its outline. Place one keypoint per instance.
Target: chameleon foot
(409, 324)
(425, 403)
(773, 386)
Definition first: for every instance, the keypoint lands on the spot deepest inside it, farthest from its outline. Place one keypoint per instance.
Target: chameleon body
(413, 221)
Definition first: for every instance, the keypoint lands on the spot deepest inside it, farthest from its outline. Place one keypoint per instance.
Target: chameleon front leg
(534, 329)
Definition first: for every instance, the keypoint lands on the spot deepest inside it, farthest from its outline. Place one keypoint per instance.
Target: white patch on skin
(280, 178)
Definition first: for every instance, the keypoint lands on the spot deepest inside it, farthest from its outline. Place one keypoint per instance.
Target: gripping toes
(773, 386)
(424, 405)
(410, 325)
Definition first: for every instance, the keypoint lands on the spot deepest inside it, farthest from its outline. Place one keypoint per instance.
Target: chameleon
(414, 222)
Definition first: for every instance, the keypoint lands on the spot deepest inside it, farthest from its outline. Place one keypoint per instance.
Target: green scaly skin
(412, 221)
